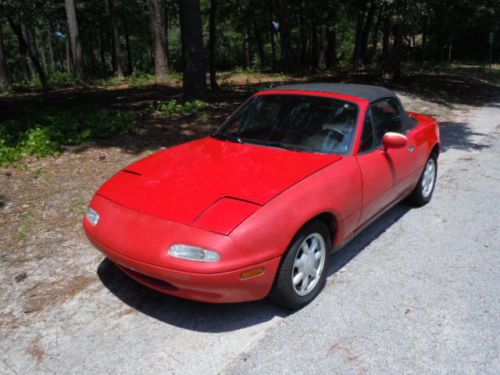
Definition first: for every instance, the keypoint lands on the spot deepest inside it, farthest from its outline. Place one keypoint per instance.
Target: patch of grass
(173, 109)
(25, 226)
(63, 79)
(44, 134)
(138, 79)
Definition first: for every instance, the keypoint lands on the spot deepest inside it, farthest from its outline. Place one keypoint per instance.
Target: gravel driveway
(417, 292)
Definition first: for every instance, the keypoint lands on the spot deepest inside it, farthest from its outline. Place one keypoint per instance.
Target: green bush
(45, 134)
(173, 108)
(63, 79)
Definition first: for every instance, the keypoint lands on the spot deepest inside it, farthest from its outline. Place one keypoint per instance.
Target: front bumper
(225, 287)
(137, 243)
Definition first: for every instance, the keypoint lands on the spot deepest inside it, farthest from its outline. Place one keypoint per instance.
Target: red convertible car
(256, 209)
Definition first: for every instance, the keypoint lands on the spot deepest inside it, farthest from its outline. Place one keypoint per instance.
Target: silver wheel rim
(309, 263)
(428, 178)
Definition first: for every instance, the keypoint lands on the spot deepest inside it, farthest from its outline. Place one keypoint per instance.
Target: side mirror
(394, 140)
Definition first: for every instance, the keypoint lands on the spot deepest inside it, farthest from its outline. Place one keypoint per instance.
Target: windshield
(295, 122)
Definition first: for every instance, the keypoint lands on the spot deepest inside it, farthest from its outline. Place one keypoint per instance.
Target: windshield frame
(217, 134)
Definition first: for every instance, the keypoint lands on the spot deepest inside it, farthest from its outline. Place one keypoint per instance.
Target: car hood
(183, 182)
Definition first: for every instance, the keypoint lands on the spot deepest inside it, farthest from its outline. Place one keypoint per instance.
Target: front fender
(336, 189)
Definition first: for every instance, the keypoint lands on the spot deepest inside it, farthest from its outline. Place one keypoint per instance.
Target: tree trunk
(213, 44)
(26, 37)
(3, 66)
(69, 58)
(357, 58)
(102, 55)
(331, 40)
(115, 40)
(258, 39)
(285, 35)
(304, 61)
(130, 67)
(75, 46)
(366, 30)
(314, 47)
(157, 25)
(385, 43)
(271, 34)
(246, 49)
(323, 37)
(194, 80)
(397, 53)
(26, 49)
(374, 41)
(331, 52)
(167, 20)
(50, 50)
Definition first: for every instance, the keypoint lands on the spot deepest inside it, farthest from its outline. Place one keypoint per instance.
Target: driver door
(385, 174)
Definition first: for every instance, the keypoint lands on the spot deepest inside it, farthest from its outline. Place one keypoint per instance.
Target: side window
(368, 136)
(386, 117)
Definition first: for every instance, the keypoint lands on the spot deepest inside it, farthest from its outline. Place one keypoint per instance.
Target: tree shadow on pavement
(206, 317)
(459, 136)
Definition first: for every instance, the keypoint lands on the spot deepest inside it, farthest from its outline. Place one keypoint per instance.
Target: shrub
(45, 133)
(173, 108)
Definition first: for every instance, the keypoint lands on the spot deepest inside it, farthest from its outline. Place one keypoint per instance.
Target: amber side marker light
(252, 273)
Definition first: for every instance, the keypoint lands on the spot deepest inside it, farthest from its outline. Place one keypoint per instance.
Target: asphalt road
(417, 292)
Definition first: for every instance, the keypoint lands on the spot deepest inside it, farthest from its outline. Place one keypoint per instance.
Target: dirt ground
(42, 265)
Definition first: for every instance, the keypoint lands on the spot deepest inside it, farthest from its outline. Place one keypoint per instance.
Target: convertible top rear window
(296, 122)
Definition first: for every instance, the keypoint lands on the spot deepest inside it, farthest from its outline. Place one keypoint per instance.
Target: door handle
(411, 148)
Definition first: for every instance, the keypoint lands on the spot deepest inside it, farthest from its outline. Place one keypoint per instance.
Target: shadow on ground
(459, 136)
(205, 317)
(192, 315)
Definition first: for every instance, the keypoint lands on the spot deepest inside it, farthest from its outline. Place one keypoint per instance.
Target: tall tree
(331, 36)
(357, 58)
(284, 29)
(115, 41)
(3, 66)
(213, 44)
(74, 39)
(271, 34)
(27, 48)
(50, 51)
(194, 80)
(157, 26)
(366, 30)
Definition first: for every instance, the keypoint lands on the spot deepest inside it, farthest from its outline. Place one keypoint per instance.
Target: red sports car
(256, 209)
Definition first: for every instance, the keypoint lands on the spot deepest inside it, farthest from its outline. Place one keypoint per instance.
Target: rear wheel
(302, 274)
(422, 193)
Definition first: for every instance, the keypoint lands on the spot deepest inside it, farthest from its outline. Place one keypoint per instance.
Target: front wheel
(302, 274)
(422, 193)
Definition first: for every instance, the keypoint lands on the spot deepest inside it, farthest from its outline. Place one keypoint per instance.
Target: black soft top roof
(368, 92)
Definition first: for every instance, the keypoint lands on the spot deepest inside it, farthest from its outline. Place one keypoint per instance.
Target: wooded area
(76, 41)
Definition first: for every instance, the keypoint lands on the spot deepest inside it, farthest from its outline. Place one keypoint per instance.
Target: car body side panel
(335, 189)
(378, 176)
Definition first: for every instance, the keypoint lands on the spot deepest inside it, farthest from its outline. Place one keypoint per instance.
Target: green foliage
(45, 134)
(172, 109)
(63, 79)
(138, 79)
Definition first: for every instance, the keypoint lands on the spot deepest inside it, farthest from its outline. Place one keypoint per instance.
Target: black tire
(418, 197)
(283, 292)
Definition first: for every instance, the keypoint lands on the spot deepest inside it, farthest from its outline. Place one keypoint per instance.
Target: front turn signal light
(252, 273)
